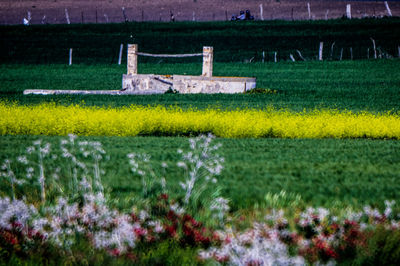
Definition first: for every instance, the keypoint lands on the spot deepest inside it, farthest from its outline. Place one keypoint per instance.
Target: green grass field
(354, 172)
(323, 172)
(354, 85)
(333, 173)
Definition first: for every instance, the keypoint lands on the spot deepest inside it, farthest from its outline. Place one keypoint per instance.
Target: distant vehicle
(242, 16)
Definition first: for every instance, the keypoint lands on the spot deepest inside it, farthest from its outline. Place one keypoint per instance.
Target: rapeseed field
(53, 119)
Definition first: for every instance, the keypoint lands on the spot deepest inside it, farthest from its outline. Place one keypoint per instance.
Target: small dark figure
(172, 18)
(241, 16)
(248, 16)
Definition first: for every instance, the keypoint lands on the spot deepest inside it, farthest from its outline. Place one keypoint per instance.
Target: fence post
(207, 61)
(309, 10)
(120, 54)
(261, 12)
(123, 13)
(348, 11)
(70, 56)
(388, 8)
(333, 45)
(321, 47)
(373, 44)
(67, 16)
(132, 59)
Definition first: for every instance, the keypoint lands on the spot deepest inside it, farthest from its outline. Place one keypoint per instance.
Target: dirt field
(103, 11)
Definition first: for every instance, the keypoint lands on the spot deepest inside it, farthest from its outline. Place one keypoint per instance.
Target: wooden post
(388, 9)
(321, 47)
(341, 54)
(124, 14)
(351, 53)
(326, 14)
(67, 16)
(348, 11)
(120, 54)
(292, 15)
(309, 10)
(96, 15)
(70, 56)
(207, 61)
(333, 45)
(261, 12)
(82, 17)
(132, 59)
(367, 53)
(300, 55)
(275, 57)
(263, 53)
(373, 44)
(226, 15)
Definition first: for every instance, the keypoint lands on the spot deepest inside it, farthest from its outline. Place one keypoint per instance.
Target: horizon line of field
(192, 17)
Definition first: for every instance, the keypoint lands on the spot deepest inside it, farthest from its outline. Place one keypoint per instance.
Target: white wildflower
(22, 159)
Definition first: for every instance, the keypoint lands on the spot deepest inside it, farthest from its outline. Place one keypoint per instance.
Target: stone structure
(134, 83)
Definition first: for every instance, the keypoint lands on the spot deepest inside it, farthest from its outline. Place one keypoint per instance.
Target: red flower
(163, 197)
(171, 216)
(140, 232)
(171, 230)
(134, 217)
(115, 252)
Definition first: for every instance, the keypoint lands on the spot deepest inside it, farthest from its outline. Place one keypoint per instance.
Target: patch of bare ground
(103, 11)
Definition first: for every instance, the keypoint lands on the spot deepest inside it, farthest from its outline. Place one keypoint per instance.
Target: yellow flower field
(52, 119)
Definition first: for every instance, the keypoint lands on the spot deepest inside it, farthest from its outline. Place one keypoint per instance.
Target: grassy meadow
(341, 172)
(324, 172)
(351, 85)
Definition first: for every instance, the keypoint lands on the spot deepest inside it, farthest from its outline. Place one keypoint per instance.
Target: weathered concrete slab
(200, 84)
(186, 84)
(88, 92)
(140, 83)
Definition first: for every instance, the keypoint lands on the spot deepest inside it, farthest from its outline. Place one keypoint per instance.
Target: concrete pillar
(207, 61)
(132, 59)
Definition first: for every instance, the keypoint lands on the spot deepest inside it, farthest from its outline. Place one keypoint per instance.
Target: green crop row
(353, 85)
